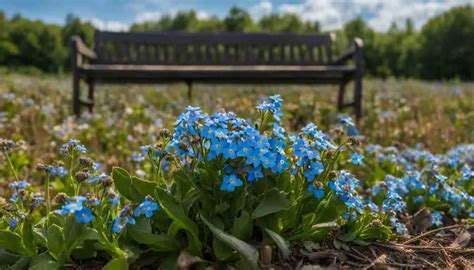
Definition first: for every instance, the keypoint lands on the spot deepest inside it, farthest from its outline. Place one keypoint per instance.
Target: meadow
(240, 180)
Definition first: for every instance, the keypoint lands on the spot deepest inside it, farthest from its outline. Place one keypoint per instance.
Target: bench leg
(76, 93)
(340, 95)
(358, 97)
(190, 91)
(90, 94)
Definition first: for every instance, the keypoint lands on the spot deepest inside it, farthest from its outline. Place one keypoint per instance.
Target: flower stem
(48, 203)
(11, 166)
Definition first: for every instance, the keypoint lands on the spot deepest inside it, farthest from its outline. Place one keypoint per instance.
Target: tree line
(442, 49)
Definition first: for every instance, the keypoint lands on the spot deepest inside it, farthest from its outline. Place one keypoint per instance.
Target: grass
(438, 115)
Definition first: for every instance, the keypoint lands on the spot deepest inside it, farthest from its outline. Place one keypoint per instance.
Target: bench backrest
(179, 48)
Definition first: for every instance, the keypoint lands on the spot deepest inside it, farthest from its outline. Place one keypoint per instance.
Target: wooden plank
(219, 67)
(223, 37)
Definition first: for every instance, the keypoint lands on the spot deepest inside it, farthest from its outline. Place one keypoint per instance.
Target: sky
(118, 15)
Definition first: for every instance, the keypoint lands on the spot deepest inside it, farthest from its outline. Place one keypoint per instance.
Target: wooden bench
(215, 57)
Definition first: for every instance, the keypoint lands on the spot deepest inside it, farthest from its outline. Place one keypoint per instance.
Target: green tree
(74, 26)
(447, 49)
(7, 47)
(286, 23)
(238, 20)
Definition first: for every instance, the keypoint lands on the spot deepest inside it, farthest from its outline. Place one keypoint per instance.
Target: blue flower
(122, 220)
(253, 157)
(113, 199)
(14, 197)
(97, 178)
(357, 159)
(254, 174)
(437, 218)
(346, 120)
(281, 164)
(230, 151)
(147, 207)
(73, 205)
(440, 177)
(243, 149)
(71, 146)
(400, 228)
(230, 182)
(19, 185)
(37, 200)
(314, 168)
(267, 162)
(84, 215)
(12, 222)
(317, 190)
(56, 171)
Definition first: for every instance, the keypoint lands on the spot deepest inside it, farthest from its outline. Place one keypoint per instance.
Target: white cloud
(156, 15)
(419, 12)
(202, 15)
(261, 9)
(109, 25)
(379, 14)
(148, 16)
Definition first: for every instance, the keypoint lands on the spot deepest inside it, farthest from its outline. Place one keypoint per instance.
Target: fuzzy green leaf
(274, 201)
(131, 187)
(55, 241)
(13, 242)
(249, 254)
(141, 232)
(242, 227)
(282, 244)
(116, 264)
(177, 214)
(43, 262)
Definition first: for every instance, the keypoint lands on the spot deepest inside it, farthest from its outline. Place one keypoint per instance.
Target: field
(358, 196)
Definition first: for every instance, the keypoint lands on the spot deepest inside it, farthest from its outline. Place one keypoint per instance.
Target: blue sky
(332, 14)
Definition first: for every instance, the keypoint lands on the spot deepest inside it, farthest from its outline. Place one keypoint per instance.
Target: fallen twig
(435, 230)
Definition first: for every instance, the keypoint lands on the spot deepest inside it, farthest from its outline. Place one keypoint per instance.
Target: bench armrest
(79, 50)
(354, 53)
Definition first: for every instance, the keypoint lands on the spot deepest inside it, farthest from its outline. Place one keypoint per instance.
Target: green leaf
(28, 237)
(12, 241)
(7, 258)
(141, 232)
(274, 201)
(72, 231)
(75, 234)
(21, 264)
(55, 241)
(248, 253)
(43, 262)
(222, 251)
(282, 244)
(176, 213)
(41, 235)
(131, 187)
(242, 227)
(116, 264)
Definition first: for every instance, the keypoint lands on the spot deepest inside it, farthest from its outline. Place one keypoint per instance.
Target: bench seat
(240, 73)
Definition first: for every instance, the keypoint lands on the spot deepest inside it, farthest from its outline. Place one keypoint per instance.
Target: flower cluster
(79, 206)
(426, 178)
(225, 137)
(72, 146)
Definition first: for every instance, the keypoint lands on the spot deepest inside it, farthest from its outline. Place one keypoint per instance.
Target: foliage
(446, 42)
